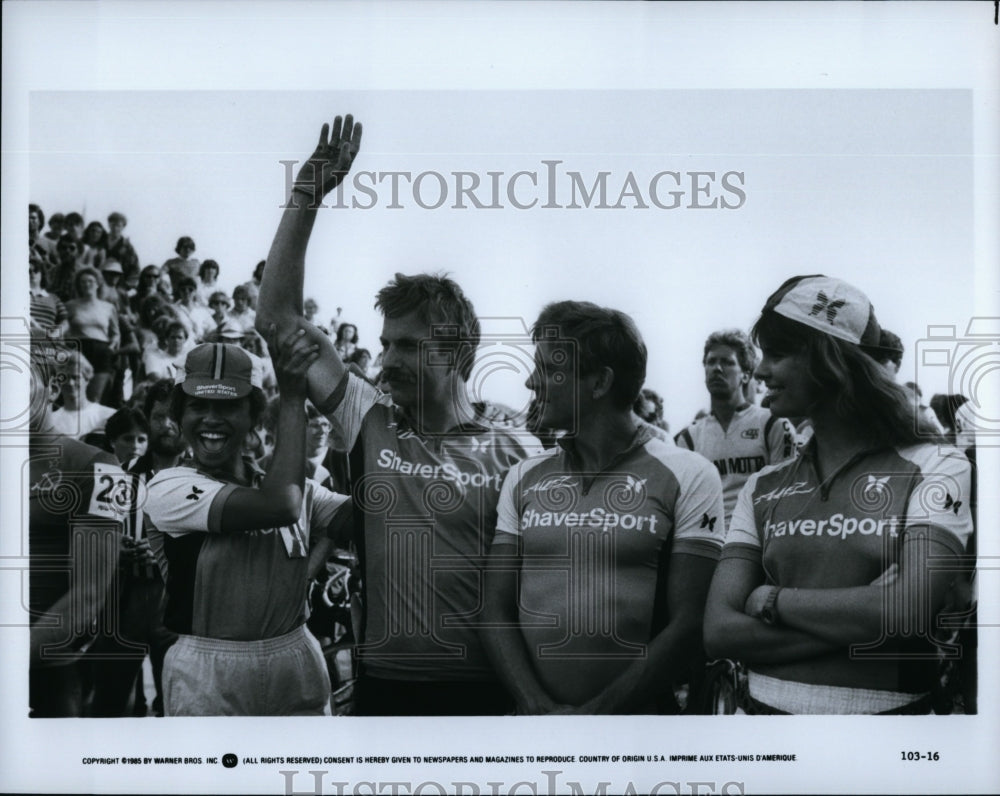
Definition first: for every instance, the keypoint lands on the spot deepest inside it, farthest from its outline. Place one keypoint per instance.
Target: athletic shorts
(98, 354)
(282, 676)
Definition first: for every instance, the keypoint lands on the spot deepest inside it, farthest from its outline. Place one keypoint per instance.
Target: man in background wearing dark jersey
(426, 474)
(738, 437)
(77, 498)
(605, 544)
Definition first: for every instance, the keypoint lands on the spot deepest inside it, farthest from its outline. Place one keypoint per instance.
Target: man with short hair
(606, 544)
(426, 475)
(738, 437)
(120, 248)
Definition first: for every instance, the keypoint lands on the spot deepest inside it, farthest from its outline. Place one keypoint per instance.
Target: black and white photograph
(497, 398)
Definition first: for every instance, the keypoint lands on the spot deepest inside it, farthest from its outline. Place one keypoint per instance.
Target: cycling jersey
(241, 585)
(595, 550)
(846, 530)
(753, 439)
(425, 509)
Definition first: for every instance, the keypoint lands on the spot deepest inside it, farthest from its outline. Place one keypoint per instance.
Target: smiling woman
(826, 557)
(230, 530)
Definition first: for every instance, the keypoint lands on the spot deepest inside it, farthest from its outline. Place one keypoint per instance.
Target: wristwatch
(769, 613)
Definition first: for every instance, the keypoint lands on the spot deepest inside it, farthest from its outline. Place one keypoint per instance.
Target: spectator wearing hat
(180, 266)
(237, 543)
(224, 330)
(94, 322)
(826, 589)
(120, 248)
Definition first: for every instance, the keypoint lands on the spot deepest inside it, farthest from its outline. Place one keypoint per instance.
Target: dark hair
(148, 306)
(220, 294)
(41, 216)
(168, 327)
(206, 264)
(122, 421)
(72, 219)
(160, 390)
(259, 267)
(890, 349)
(737, 340)
(945, 407)
(87, 272)
(344, 325)
(241, 290)
(358, 353)
(440, 303)
(116, 216)
(184, 240)
(603, 338)
(258, 404)
(186, 282)
(102, 241)
(847, 379)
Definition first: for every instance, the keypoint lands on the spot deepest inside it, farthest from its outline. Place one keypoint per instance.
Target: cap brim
(216, 389)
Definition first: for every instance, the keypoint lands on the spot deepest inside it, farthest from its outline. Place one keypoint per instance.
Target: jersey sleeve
(359, 397)
(699, 524)
(742, 539)
(940, 499)
(782, 440)
(323, 505)
(508, 528)
(181, 500)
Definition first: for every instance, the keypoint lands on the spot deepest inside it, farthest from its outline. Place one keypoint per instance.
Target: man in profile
(605, 544)
(426, 474)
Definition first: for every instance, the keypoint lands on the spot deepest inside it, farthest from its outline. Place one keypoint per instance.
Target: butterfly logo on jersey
(951, 503)
(195, 493)
(635, 486)
(823, 303)
(480, 446)
(708, 522)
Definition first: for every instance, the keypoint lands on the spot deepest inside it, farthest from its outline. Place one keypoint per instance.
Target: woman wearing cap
(824, 589)
(238, 542)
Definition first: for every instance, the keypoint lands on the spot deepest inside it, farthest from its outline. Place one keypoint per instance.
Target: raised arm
(280, 300)
(278, 500)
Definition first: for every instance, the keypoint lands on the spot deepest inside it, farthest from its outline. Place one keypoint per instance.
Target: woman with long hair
(95, 245)
(94, 323)
(825, 589)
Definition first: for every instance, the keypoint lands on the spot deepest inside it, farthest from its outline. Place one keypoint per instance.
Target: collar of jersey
(826, 480)
(643, 434)
(403, 423)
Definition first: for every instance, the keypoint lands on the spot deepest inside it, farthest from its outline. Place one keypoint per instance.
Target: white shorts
(281, 676)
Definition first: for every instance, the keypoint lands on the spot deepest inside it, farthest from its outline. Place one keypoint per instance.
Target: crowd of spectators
(131, 325)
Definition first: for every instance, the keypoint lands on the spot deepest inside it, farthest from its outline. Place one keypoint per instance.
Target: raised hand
(291, 358)
(331, 160)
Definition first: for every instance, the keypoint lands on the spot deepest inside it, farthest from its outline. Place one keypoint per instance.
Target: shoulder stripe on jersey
(685, 434)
